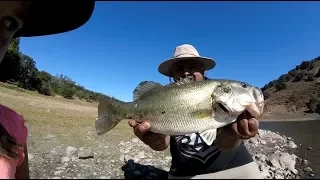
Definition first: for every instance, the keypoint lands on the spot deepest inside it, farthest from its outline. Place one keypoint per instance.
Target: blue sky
(124, 42)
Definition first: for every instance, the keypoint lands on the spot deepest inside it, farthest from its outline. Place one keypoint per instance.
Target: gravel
(132, 159)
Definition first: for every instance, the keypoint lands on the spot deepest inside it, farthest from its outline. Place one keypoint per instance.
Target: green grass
(70, 121)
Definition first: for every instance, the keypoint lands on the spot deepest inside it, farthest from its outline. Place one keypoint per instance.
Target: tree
(45, 80)
(29, 79)
(14, 45)
(10, 67)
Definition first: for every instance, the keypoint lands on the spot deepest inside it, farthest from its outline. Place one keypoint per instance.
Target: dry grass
(55, 121)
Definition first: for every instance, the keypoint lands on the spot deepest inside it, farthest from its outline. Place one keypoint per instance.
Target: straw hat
(185, 52)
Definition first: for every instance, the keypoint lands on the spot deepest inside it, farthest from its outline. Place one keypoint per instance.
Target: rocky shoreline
(132, 159)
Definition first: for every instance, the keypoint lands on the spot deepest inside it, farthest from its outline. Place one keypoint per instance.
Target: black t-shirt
(191, 156)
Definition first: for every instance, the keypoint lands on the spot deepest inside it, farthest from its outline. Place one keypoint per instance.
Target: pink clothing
(13, 123)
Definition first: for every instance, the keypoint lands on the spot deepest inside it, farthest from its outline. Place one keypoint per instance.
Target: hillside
(294, 94)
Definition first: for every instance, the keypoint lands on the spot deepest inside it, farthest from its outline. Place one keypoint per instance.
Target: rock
(135, 140)
(65, 159)
(295, 171)
(85, 153)
(122, 158)
(282, 160)
(275, 163)
(253, 140)
(263, 142)
(30, 156)
(265, 173)
(273, 169)
(305, 162)
(291, 144)
(287, 161)
(279, 176)
(309, 148)
(261, 157)
(49, 136)
(307, 169)
(57, 172)
(311, 175)
(127, 158)
(262, 166)
(140, 154)
(71, 151)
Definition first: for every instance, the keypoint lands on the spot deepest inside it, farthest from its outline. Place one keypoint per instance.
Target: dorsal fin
(183, 81)
(143, 87)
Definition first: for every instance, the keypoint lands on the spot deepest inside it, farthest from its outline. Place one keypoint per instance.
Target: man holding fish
(204, 121)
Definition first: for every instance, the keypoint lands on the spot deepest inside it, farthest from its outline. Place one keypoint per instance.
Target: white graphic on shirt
(192, 146)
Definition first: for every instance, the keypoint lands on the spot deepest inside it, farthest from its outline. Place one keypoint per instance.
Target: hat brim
(48, 17)
(165, 67)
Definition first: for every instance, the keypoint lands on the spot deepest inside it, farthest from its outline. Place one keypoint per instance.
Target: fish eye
(244, 85)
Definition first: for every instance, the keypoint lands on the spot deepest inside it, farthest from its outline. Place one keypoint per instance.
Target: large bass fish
(183, 108)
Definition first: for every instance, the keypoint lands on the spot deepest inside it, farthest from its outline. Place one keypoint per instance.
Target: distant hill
(20, 69)
(294, 93)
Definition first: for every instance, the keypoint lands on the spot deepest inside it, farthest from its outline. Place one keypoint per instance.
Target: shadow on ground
(134, 170)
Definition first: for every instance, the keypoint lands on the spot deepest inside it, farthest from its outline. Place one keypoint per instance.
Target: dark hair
(8, 145)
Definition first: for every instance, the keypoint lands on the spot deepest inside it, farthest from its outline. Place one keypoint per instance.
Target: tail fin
(109, 115)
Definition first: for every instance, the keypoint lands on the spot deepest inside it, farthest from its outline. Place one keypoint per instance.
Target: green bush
(285, 77)
(280, 85)
(45, 88)
(309, 77)
(68, 91)
(266, 95)
(305, 65)
(314, 105)
(299, 77)
(318, 73)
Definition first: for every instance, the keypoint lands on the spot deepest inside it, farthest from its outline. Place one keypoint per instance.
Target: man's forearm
(162, 145)
(226, 142)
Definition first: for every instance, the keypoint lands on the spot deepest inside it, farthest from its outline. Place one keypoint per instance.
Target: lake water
(306, 133)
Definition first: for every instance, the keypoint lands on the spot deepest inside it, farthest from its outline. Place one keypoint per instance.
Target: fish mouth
(223, 108)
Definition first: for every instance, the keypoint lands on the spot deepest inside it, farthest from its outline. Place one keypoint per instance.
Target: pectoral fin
(209, 136)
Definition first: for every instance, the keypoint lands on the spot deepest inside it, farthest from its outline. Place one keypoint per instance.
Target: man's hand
(231, 136)
(245, 127)
(158, 142)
